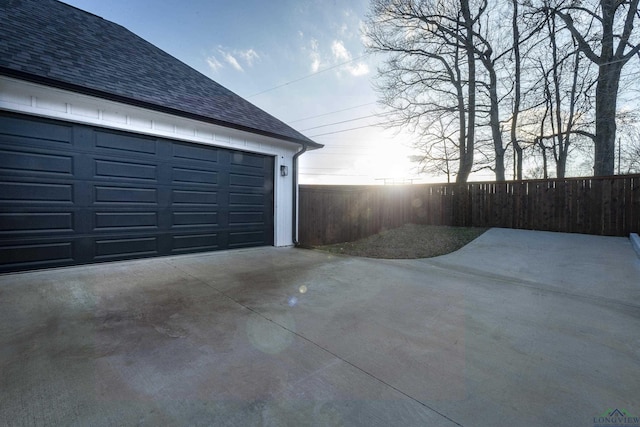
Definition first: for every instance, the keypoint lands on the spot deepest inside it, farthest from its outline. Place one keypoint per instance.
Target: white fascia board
(39, 100)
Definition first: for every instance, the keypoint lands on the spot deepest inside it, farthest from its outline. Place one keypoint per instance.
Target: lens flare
(271, 337)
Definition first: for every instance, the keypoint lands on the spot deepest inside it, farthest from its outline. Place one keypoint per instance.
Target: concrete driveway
(518, 328)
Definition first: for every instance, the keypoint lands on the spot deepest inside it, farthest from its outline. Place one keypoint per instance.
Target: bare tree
(630, 155)
(566, 85)
(455, 68)
(484, 49)
(628, 144)
(604, 32)
(431, 71)
(438, 148)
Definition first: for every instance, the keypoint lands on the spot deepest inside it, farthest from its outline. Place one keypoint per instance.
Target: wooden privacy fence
(604, 206)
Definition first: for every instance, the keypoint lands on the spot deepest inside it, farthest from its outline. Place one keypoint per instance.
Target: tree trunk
(494, 121)
(517, 95)
(558, 140)
(519, 158)
(561, 165)
(606, 101)
(464, 166)
(466, 157)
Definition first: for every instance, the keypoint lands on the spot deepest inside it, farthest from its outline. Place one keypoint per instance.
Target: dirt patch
(408, 242)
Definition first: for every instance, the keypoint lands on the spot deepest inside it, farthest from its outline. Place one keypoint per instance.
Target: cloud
(249, 56)
(339, 57)
(339, 51)
(359, 69)
(344, 29)
(315, 56)
(231, 60)
(237, 59)
(214, 64)
(315, 65)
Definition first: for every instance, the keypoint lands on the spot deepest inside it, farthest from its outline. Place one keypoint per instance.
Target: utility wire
(332, 112)
(340, 131)
(347, 130)
(333, 174)
(345, 121)
(337, 169)
(309, 75)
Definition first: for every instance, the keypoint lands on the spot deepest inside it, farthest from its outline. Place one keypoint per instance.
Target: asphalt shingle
(54, 42)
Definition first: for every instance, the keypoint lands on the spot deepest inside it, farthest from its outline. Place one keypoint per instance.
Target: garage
(112, 149)
(76, 194)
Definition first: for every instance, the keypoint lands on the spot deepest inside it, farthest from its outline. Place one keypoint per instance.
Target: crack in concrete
(369, 374)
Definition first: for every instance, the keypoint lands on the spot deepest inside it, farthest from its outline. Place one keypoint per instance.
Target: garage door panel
(194, 198)
(17, 192)
(247, 160)
(125, 170)
(186, 219)
(248, 172)
(36, 255)
(37, 131)
(246, 199)
(182, 243)
(238, 180)
(111, 195)
(201, 154)
(20, 223)
(125, 247)
(18, 160)
(243, 239)
(181, 175)
(122, 221)
(246, 218)
(122, 143)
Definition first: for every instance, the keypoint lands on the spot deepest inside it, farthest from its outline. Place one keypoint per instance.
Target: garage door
(73, 194)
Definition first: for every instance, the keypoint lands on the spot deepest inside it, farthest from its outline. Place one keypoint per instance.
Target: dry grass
(408, 242)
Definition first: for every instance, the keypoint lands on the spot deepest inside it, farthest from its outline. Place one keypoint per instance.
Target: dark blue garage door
(74, 194)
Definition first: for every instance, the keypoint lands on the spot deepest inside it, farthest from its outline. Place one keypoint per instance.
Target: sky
(302, 61)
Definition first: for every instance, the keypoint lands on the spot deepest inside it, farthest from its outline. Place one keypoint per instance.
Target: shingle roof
(57, 44)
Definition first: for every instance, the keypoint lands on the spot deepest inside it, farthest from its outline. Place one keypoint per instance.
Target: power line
(354, 144)
(309, 75)
(340, 131)
(324, 153)
(344, 121)
(331, 112)
(344, 149)
(347, 130)
(332, 169)
(333, 174)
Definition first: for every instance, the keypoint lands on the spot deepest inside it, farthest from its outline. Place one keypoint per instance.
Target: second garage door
(74, 194)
